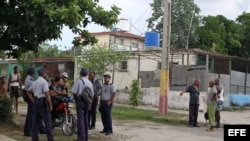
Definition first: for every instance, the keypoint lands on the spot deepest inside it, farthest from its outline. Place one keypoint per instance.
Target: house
(55, 66)
(144, 64)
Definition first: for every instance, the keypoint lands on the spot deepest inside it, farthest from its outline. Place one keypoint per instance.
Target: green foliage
(25, 24)
(244, 23)
(100, 58)
(219, 34)
(25, 61)
(126, 113)
(6, 114)
(181, 15)
(135, 93)
(46, 50)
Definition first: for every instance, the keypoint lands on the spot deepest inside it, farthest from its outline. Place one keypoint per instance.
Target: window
(134, 46)
(123, 66)
(121, 41)
(159, 65)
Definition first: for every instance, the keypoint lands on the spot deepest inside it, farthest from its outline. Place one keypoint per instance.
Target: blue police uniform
(107, 91)
(82, 107)
(41, 109)
(28, 125)
(29, 116)
(97, 86)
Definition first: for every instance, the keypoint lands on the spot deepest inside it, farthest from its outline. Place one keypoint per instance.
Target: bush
(6, 114)
(135, 93)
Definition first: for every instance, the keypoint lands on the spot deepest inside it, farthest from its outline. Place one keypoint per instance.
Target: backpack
(86, 95)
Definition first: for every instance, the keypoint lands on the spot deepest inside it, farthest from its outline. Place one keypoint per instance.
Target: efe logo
(241, 132)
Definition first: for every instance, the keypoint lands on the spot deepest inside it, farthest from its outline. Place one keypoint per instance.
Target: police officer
(42, 105)
(27, 83)
(97, 92)
(29, 116)
(82, 107)
(107, 97)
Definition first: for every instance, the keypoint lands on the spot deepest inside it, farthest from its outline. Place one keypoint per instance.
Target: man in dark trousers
(42, 105)
(194, 93)
(14, 86)
(97, 92)
(29, 116)
(106, 104)
(82, 107)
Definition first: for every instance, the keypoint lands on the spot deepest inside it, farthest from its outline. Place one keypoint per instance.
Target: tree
(181, 17)
(220, 34)
(25, 61)
(46, 50)
(100, 58)
(244, 22)
(135, 93)
(25, 24)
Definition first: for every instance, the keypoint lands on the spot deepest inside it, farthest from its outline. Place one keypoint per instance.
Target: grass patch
(129, 113)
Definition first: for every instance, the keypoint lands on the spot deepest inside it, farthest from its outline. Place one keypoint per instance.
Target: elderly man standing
(82, 107)
(194, 103)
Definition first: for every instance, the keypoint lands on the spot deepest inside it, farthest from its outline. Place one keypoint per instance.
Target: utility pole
(164, 79)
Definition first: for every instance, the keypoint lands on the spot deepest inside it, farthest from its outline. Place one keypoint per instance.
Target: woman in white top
(219, 103)
(14, 84)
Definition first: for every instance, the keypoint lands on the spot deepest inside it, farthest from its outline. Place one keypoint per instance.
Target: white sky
(137, 11)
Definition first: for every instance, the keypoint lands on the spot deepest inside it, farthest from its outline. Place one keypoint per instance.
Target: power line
(142, 15)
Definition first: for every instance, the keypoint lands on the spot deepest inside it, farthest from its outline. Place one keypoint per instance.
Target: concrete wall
(3, 69)
(124, 79)
(150, 96)
(107, 39)
(103, 39)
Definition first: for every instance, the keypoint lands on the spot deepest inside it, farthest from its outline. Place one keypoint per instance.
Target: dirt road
(148, 131)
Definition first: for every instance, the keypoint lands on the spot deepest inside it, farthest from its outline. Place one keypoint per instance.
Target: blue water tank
(114, 29)
(152, 39)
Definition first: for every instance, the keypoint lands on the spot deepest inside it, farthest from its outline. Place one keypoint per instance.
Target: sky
(138, 11)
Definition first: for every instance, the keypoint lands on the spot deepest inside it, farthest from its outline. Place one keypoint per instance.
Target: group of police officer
(40, 105)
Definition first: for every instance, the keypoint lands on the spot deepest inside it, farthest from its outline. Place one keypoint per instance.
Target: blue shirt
(194, 95)
(79, 86)
(29, 80)
(39, 87)
(107, 91)
(97, 86)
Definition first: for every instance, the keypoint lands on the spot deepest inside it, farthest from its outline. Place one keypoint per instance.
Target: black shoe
(217, 126)
(28, 135)
(196, 126)
(91, 128)
(108, 133)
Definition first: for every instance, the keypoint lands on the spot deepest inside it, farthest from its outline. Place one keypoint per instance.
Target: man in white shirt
(14, 85)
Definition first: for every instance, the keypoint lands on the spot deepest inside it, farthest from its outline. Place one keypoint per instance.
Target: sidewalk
(5, 138)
